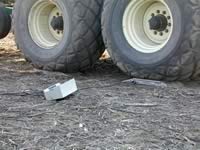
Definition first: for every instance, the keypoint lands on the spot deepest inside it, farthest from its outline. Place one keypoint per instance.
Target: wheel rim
(45, 23)
(147, 25)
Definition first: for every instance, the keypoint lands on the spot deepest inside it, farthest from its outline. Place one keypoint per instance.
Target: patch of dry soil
(104, 114)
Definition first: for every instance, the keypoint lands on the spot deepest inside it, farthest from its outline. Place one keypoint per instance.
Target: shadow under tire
(143, 48)
(60, 35)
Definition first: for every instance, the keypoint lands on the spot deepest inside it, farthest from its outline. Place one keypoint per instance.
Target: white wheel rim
(39, 24)
(136, 26)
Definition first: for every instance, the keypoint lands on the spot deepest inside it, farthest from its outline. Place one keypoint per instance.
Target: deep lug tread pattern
(184, 65)
(87, 45)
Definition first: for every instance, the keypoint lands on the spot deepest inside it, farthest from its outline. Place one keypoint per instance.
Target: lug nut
(57, 13)
(152, 14)
(164, 12)
(58, 32)
(155, 32)
(158, 11)
(168, 17)
(161, 34)
(166, 30)
(169, 24)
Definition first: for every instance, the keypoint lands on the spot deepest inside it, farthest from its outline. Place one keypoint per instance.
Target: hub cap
(46, 24)
(147, 25)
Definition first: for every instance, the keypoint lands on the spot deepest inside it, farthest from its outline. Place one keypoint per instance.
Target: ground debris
(105, 114)
(146, 82)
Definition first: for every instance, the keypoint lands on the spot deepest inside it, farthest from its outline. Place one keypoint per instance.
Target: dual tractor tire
(154, 39)
(60, 35)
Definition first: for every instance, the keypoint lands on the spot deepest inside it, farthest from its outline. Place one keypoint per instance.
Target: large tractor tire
(5, 22)
(61, 35)
(154, 39)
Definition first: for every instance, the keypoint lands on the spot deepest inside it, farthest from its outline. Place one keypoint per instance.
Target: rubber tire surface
(78, 50)
(5, 22)
(178, 60)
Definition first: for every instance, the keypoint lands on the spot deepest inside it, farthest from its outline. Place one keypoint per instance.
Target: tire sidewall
(130, 55)
(30, 49)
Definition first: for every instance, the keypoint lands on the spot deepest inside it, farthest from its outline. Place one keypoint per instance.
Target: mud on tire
(80, 44)
(177, 59)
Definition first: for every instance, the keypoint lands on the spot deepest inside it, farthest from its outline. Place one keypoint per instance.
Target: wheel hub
(57, 23)
(147, 25)
(46, 24)
(158, 23)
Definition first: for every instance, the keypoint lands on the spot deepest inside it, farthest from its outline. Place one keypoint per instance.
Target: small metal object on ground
(146, 82)
(60, 91)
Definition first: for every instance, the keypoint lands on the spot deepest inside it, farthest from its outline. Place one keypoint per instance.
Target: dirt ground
(104, 114)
